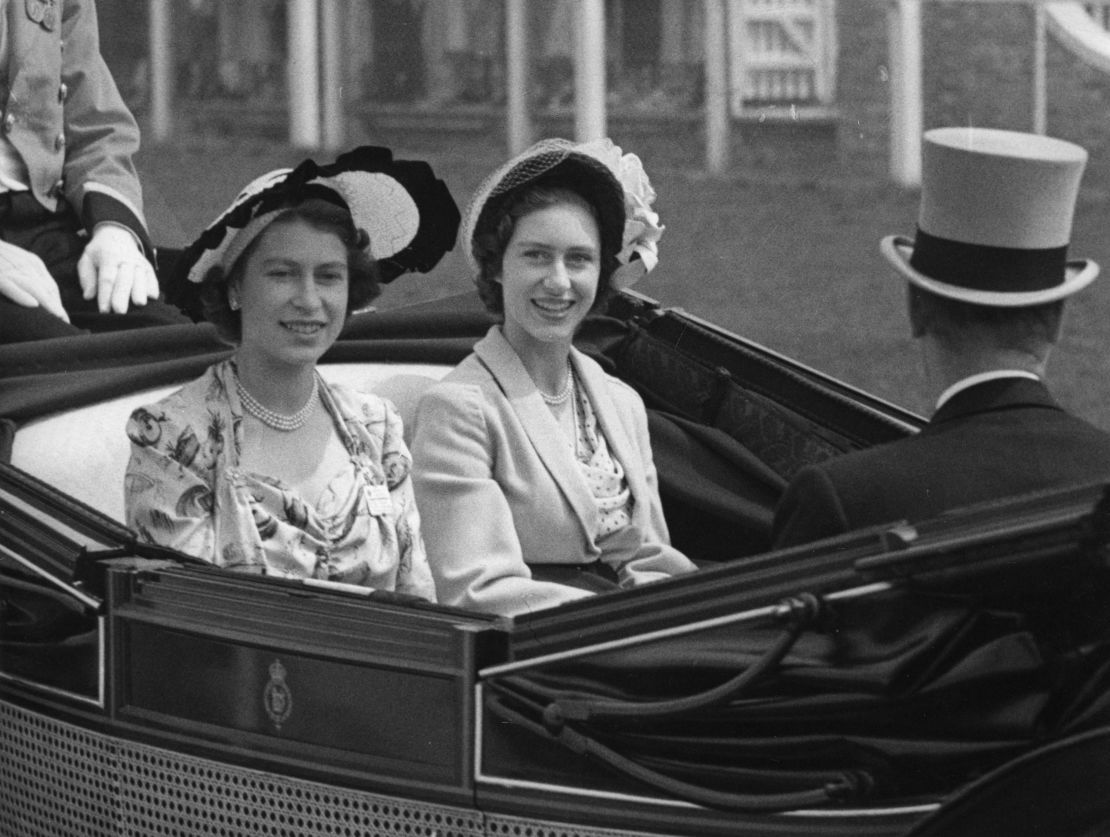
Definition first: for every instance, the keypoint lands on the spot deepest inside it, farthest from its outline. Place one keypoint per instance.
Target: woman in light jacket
(532, 466)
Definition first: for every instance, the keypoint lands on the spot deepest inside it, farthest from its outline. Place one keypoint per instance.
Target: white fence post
(302, 73)
(717, 122)
(161, 66)
(1040, 74)
(518, 125)
(589, 72)
(332, 115)
(904, 34)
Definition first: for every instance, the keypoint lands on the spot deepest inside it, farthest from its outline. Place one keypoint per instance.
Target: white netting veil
(525, 168)
(613, 182)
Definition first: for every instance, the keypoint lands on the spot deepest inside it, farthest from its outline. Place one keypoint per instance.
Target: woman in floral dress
(260, 465)
(533, 467)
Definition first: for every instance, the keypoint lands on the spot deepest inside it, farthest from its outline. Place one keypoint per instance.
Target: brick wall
(1079, 110)
(978, 65)
(863, 88)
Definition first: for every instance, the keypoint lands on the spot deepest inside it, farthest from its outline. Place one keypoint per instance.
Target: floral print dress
(602, 472)
(184, 490)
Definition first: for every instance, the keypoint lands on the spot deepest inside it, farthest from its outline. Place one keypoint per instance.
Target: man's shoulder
(873, 461)
(986, 455)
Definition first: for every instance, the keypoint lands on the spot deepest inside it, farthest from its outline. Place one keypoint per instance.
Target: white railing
(782, 51)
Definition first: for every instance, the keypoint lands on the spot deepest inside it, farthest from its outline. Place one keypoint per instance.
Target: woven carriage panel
(101, 786)
(57, 779)
(505, 826)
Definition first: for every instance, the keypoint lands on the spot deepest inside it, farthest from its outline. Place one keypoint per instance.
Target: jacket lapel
(540, 426)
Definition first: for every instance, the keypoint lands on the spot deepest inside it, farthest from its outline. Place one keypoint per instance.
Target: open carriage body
(875, 683)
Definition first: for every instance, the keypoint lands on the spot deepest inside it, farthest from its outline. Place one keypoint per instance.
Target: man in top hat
(988, 274)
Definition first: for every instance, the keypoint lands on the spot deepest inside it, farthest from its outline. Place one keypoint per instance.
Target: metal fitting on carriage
(553, 718)
(805, 609)
(853, 786)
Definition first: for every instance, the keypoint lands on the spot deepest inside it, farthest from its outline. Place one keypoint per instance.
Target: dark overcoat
(996, 439)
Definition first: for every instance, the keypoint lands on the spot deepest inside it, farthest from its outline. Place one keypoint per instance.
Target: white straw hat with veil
(614, 183)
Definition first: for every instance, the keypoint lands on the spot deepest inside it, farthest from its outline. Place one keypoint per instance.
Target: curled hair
(489, 247)
(363, 279)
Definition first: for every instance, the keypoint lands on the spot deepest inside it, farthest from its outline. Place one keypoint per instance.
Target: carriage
(948, 677)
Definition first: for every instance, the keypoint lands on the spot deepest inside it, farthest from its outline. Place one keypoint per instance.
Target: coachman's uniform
(69, 135)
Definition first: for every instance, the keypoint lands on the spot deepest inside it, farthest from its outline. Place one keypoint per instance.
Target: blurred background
(782, 136)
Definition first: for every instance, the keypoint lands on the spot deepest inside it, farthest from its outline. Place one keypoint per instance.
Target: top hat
(612, 182)
(408, 214)
(995, 219)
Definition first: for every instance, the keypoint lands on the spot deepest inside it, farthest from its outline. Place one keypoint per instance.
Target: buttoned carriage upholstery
(84, 452)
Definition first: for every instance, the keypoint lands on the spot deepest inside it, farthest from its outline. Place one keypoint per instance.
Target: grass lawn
(792, 265)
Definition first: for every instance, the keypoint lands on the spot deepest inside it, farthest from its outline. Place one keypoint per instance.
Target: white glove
(114, 270)
(25, 280)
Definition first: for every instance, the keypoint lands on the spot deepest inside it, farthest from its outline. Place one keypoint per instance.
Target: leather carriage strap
(557, 717)
(801, 612)
(847, 785)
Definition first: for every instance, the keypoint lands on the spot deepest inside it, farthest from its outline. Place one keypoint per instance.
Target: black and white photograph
(554, 418)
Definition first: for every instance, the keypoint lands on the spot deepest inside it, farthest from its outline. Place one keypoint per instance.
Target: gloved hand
(25, 280)
(114, 270)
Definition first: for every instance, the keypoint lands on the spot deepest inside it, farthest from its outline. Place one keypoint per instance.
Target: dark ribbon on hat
(435, 235)
(982, 267)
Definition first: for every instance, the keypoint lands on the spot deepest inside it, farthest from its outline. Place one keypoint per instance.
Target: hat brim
(898, 250)
(408, 213)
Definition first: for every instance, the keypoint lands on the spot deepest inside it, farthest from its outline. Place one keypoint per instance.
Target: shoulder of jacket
(595, 368)
(622, 392)
(456, 392)
(623, 388)
(470, 376)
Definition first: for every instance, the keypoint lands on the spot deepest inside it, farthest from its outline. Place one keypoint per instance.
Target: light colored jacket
(64, 114)
(498, 489)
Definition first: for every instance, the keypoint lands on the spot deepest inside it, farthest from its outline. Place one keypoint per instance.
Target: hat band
(983, 267)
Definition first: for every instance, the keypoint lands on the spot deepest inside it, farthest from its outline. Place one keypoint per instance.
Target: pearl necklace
(560, 397)
(277, 421)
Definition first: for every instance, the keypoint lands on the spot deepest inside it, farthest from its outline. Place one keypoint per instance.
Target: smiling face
(293, 293)
(549, 274)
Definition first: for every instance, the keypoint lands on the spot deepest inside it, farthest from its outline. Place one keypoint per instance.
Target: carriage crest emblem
(277, 697)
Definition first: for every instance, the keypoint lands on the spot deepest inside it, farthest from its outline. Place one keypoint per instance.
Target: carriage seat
(84, 452)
